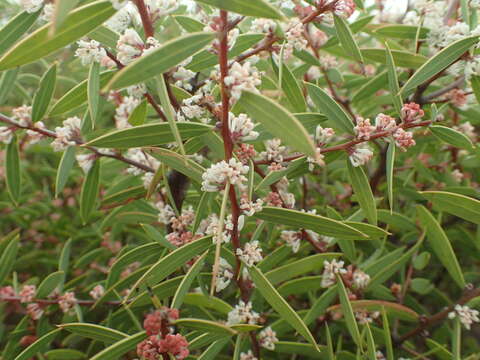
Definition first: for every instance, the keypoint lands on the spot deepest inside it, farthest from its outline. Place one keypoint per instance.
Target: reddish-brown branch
(265, 45)
(146, 20)
(56, 301)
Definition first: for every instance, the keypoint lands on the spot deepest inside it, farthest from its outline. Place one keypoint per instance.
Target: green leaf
(320, 305)
(291, 88)
(457, 339)
(89, 193)
(170, 263)
(257, 8)
(187, 282)
(271, 295)
(393, 80)
(139, 114)
(441, 245)
(139, 253)
(65, 354)
(7, 82)
(389, 168)
(64, 261)
(330, 351)
(44, 94)
(348, 311)
(278, 121)
(40, 43)
(66, 164)
(387, 335)
(371, 348)
(398, 31)
(95, 332)
(214, 349)
(337, 116)
(458, 205)
(93, 92)
(209, 302)
(475, 82)
(15, 28)
(190, 25)
(452, 137)
(301, 350)
(439, 62)
(115, 351)
(49, 284)
(169, 112)
(206, 326)
(105, 36)
(38, 345)
(8, 258)
(159, 60)
(13, 175)
(77, 96)
(370, 87)
(363, 192)
(346, 38)
(154, 234)
(62, 9)
(317, 223)
(394, 309)
(147, 135)
(299, 267)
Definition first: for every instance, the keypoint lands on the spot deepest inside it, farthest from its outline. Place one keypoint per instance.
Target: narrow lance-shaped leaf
(257, 8)
(393, 80)
(94, 91)
(8, 258)
(441, 245)
(291, 88)
(169, 112)
(15, 28)
(89, 193)
(278, 121)
(49, 284)
(387, 335)
(390, 166)
(138, 116)
(7, 82)
(439, 62)
(456, 204)
(371, 349)
(346, 38)
(95, 332)
(62, 8)
(160, 60)
(348, 312)
(66, 164)
(451, 136)
(363, 191)
(38, 345)
(44, 94)
(40, 44)
(271, 295)
(118, 349)
(12, 167)
(337, 116)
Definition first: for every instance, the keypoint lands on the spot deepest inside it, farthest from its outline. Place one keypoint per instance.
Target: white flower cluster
(241, 128)
(6, 134)
(251, 253)
(118, 4)
(159, 8)
(85, 161)
(267, 338)
(263, 26)
(129, 46)
(124, 110)
(466, 315)
(31, 6)
(97, 292)
(274, 151)
(467, 129)
(360, 155)
(145, 159)
(183, 78)
(292, 239)
(215, 177)
(248, 356)
(191, 110)
(365, 317)
(224, 276)
(165, 213)
(67, 134)
(330, 271)
(249, 208)
(209, 226)
(243, 314)
(242, 77)
(123, 18)
(47, 13)
(91, 51)
(22, 115)
(363, 129)
(360, 279)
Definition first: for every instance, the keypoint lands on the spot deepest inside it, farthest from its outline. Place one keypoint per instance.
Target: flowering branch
(145, 16)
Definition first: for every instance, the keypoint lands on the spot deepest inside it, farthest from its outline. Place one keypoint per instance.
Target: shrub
(246, 179)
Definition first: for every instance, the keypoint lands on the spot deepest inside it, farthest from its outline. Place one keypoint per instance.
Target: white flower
(97, 292)
(274, 151)
(472, 67)
(215, 177)
(118, 4)
(47, 13)
(360, 155)
(292, 239)
(323, 135)
(328, 62)
(23, 115)
(137, 91)
(165, 213)
(34, 311)
(159, 8)
(250, 254)
(363, 129)
(89, 52)
(27, 293)
(330, 270)
(67, 301)
(85, 161)
(6, 134)
(344, 8)
(385, 123)
(247, 356)
(263, 26)
(294, 36)
(453, 33)
(67, 134)
(241, 128)
(224, 276)
(466, 315)
(124, 110)
(467, 129)
(183, 78)
(129, 46)
(457, 175)
(267, 338)
(360, 279)
(122, 19)
(209, 226)
(31, 6)
(35, 136)
(242, 77)
(403, 139)
(243, 314)
(365, 317)
(249, 208)
(143, 158)
(317, 160)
